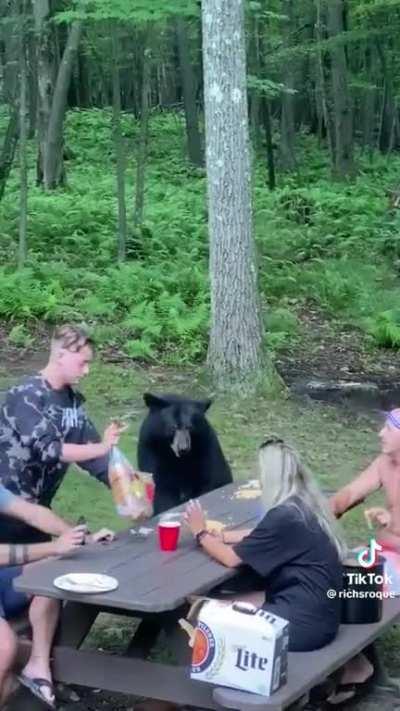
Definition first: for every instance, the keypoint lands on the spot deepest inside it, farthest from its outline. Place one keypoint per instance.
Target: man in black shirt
(44, 428)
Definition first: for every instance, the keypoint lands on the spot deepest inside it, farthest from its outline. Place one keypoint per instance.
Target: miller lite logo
(204, 648)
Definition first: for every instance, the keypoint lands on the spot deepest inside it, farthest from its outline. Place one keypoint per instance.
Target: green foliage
(135, 11)
(385, 328)
(282, 326)
(20, 336)
(313, 237)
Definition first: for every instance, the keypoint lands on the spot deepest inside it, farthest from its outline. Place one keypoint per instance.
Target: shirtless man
(383, 472)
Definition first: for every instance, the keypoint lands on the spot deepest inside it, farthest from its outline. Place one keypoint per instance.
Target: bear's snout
(181, 443)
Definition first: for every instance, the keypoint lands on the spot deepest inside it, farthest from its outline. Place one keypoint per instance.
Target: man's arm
(96, 451)
(358, 489)
(21, 554)
(37, 516)
(80, 453)
(69, 541)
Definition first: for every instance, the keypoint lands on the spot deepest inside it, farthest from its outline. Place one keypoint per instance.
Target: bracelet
(200, 535)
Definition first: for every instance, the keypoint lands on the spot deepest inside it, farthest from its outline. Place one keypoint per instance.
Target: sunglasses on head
(272, 439)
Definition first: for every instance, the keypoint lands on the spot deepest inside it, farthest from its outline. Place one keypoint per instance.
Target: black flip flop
(358, 691)
(34, 685)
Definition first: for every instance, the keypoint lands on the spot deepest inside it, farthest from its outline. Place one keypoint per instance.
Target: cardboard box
(240, 646)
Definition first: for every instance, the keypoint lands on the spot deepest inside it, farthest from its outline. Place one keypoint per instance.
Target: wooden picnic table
(154, 586)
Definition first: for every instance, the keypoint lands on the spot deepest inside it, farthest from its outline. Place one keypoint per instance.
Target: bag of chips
(132, 491)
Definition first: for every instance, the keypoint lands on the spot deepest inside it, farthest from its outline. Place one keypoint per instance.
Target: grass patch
(335, 446)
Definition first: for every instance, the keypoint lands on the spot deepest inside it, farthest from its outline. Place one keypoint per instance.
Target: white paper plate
(86, 583)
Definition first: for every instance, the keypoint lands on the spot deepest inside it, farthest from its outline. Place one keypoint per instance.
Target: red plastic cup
(168, 534)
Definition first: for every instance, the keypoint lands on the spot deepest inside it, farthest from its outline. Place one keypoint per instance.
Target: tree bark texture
(53, 164)
(194, 143)
(287, 150)
(23, 140)
(119, 150)
(46, 71)
(343, 111)
(234, 353)
(143, 136)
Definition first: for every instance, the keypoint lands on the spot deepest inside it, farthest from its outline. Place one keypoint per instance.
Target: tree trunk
(343, 112)
(266, 115)
(322, 85)
(234, 353)
(11, 55)
(8, 149)
(194, 146)
(23, 139)
(388, 110)
(142, 148)
(119, 149)
(53, 164)
(287, 149)
(369, 103)
(46, 69)
(255, 70)
(32, 85)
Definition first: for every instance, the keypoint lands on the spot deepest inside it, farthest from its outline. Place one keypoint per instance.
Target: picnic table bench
(154, 586)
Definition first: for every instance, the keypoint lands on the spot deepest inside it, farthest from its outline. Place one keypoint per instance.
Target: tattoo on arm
(13, 555)
(18, 555)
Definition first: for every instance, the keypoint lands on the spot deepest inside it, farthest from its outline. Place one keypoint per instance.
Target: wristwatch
(200, 535)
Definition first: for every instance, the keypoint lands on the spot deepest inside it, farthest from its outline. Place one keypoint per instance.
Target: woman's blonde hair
(283, 475)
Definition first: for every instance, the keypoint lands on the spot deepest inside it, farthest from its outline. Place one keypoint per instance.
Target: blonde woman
(296, 549)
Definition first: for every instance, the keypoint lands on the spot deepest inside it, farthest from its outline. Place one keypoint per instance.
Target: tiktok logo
(369, 556)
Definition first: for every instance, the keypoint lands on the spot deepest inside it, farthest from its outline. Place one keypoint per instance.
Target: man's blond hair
(71, 338)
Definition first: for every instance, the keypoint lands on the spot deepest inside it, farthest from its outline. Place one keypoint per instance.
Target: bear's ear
(154, 401)
(203, 405)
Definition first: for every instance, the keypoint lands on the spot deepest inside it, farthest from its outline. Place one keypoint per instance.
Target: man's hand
(70, 541)
(112, 434)
(103, 536)
(378, 516)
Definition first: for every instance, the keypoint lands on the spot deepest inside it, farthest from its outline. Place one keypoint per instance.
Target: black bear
(180, 448)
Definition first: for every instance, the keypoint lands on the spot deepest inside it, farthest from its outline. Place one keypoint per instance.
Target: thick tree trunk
(234, 353)
(119, 150)
(287, 149)
(23, 140)
(53, 164)
(343, 111)
(143, 136)
(194, 146)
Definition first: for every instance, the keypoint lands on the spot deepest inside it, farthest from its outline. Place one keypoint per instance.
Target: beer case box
(240, 646)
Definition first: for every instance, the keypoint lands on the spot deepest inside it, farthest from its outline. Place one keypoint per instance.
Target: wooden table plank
(127, 676)
(149, 580)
